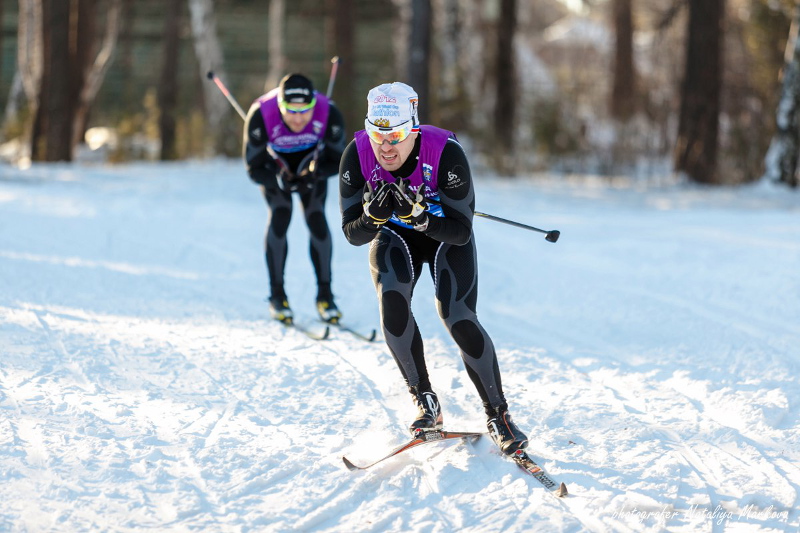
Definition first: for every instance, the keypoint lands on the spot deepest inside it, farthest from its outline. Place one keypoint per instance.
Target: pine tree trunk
(505, 85)
(622, 94)
(168, 82)
(53, 130)
(340, 29)
(781, 160)
(1, 38)
(419, 55)
(81, 61)
(698, 124)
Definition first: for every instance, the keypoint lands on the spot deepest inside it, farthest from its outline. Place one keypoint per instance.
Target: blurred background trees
(610, 87)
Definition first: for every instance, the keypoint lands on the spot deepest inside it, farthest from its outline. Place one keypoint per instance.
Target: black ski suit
(277, 191)
(396, 257)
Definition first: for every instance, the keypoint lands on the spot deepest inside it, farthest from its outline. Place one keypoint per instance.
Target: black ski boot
(279, 310)
(505, 432)
(430, 413)
(328, 311)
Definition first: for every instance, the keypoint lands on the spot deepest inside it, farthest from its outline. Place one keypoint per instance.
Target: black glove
(264, 175)
(378, 206)
(286, 180)
(306, 177)
(410, 206)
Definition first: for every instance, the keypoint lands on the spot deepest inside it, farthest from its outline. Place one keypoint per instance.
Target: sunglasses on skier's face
(297, 108)
(394, 135)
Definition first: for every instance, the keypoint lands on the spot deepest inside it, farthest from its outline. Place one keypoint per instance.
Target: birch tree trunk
(96, 70)
(781, 160)
(277, 56)
(29, 47)
(209, 57)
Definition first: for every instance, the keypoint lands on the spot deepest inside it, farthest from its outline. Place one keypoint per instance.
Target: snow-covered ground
(653, 355)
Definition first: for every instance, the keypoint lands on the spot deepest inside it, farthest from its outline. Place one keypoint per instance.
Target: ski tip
(326, 333)
(373, 335)
(348, 464)
(562, 490)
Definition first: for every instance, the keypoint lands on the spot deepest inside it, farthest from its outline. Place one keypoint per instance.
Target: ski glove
(378, 204)
(410, 206)
(304, 179)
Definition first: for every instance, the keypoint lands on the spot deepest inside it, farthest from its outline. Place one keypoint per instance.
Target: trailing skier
(293, 140)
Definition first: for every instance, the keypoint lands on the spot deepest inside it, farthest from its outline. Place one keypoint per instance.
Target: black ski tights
(396, 263)
(276, 247)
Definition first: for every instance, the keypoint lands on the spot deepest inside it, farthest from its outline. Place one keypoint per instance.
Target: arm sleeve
(334, 143)
(357, 227)
(457, 197)
(261, 167)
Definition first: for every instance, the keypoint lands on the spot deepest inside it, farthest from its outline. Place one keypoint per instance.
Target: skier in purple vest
(407, 190)
(293, 140)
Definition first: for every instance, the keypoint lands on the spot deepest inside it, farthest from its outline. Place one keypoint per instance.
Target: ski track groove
(690, 458)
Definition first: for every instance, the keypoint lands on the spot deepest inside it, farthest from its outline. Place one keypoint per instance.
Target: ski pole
(227, 94)
(549, 236)
(312, 165)
(334, 68)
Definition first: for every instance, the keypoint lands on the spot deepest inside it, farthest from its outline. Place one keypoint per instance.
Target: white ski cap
(392, 104)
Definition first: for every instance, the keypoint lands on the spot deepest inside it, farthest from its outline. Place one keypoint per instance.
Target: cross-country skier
(293, 140)
(407, 190)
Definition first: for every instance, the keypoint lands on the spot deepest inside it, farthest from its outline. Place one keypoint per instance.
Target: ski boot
(279, 310)
(429, 417)
(505, 432)
(328, 311)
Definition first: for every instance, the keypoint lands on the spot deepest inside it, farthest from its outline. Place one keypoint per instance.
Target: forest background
(707, 89)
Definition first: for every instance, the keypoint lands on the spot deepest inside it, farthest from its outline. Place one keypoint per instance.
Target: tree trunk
(168, 83)
(53, 133)
(129, 99)
(93, 69)
(622, 95)
(781, 160)
(419, 55)
(341, 42)
(401, 37)
(209, 57)
(698, 123)
(277, 56)
(505, 84)
(29, 49)
(81, 53)
(1, 38)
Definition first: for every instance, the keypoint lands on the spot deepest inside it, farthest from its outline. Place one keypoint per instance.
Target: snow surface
(652, 354)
